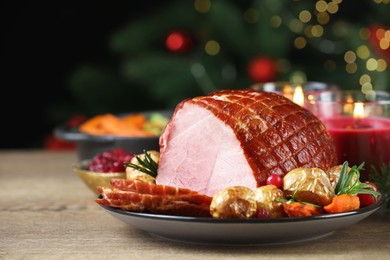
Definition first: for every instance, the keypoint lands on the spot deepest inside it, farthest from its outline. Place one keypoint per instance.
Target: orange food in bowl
(109, 124)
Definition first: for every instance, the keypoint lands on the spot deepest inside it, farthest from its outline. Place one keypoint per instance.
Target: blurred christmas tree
(191, 48)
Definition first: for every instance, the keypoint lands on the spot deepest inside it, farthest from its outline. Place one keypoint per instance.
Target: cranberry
(275, 179)
(110, 161)
(119, 152)
(368, 199)
(261, 213)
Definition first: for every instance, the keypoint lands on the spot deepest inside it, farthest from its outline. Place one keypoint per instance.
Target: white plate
(241, 232)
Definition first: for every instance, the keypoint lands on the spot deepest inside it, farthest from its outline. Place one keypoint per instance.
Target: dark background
(45, 43)
(42, 44)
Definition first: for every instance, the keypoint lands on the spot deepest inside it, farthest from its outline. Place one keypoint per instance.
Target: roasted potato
(233, 202)
(132, 173)
(310, 185)
(266, 197)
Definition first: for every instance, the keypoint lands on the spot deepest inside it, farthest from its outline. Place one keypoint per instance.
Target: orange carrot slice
(343, 203)
(298, 209)
(108, 124)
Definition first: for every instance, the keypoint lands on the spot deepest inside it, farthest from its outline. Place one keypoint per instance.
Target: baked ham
(139, 196)
(239, 137)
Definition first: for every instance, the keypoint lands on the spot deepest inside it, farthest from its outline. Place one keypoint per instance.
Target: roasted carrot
(298, 209)
(100, 125)
(343, 203)
(135, 120)
(108, 124)
(132, 125)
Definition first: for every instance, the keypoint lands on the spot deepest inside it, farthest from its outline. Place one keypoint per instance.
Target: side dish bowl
(88, 145)
(93, 179)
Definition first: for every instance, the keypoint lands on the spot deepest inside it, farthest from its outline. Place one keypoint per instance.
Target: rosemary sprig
(147, 164)
(349, 183)
(292, 199)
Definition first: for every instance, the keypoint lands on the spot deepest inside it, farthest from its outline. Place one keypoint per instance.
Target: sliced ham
(239, 137)
(139, 196)
(172, 193)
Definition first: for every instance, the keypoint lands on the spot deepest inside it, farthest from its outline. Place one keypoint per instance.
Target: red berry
(110, 161)
(261, 213)
(275, 179)
(118, 152)
(368, 199)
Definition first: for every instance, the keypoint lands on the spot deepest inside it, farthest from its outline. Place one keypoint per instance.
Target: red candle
(360, 140)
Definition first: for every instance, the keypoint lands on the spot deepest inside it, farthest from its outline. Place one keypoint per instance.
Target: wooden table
(46, 212)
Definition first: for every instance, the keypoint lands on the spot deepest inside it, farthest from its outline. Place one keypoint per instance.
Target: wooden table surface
(46, 212)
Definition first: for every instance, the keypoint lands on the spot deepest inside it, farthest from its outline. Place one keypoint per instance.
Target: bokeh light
(212, 48)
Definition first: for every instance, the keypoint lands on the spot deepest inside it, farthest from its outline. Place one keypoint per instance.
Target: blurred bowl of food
(133, 132)
(99, 170)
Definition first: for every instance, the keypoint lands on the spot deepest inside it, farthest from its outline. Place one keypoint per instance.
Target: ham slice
(239, 137)
(172, 193)
(139, 196)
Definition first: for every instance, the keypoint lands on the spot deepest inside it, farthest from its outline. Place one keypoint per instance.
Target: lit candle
(358, 110)
(298, 93)
(359, 136)
(298, 96)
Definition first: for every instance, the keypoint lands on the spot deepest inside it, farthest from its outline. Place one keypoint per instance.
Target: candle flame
(298, 96)
(286, 90)
(358, 110)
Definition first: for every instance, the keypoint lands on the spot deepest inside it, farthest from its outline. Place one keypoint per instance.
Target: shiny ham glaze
(239, 137)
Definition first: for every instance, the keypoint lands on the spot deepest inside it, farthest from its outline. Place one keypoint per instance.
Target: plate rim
(371, 208)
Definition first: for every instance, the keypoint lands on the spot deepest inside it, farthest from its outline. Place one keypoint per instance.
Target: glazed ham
(239, 137)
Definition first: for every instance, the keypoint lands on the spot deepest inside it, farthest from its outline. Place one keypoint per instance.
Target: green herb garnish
(292, 199)
(146, 165)
(349, 183)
